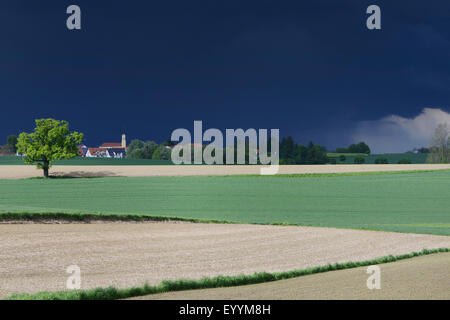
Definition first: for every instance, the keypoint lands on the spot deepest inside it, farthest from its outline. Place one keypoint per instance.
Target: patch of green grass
(337, 174)
(429, 225)
(207, 283)
(90, 217)
(414, 202)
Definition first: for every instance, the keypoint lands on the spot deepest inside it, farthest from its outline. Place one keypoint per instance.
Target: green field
(414, 202)
(79, 161)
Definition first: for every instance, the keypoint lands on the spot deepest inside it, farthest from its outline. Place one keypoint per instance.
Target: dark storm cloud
(311, 68)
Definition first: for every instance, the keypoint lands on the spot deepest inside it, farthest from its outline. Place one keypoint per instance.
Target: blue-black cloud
(309, 68)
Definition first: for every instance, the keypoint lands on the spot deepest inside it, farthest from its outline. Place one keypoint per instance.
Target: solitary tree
(440, 145)
(51, 140)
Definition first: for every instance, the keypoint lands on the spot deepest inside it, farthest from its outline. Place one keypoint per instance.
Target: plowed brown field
(14, 172)
(425, 277)
(34, 257)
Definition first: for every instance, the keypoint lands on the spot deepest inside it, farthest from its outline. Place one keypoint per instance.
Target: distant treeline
(138, 149)
(151, 150)
(361, 147)
(290, 152)
(294, 153)
(10, 147)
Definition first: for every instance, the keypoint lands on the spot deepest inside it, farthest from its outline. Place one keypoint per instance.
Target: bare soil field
(34, 257)
(16, 172)
(425, 277)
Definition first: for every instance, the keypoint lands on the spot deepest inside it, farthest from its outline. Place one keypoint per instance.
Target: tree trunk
(45, 167)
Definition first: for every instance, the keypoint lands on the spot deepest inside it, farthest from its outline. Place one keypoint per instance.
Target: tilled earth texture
(34, 257)
(425, 277)
(15, 172)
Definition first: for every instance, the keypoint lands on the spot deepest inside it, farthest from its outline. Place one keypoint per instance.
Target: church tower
(124, 141)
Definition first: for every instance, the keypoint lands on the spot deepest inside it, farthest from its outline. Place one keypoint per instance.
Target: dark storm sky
(309, 68)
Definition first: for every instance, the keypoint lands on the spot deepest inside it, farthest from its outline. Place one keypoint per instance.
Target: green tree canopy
(148, 149)
(287, 148)
(404, 161)
(11, 142)
(293, 153)
(134, 145)
(135, 154)
(51, 140)
(162, 153)
(139, 149)
(359, 160)
(316, 154)
(361, 147)
(381, 161)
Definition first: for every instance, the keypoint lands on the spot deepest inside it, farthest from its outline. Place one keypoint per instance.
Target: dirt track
(425, 277)
(14, 172)
(34, 257)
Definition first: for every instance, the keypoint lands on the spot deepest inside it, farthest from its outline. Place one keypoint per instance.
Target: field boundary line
(245, 175)
(112, 293)
(330, 175)
(82, 217)
(87, 218)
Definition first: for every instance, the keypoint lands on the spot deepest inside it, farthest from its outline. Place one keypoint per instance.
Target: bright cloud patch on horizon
(394, 134)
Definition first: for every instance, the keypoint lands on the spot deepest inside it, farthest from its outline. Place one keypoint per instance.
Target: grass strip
(112, 293)
(333, 174)
(280, 175)
(90, 217)
(82, 217)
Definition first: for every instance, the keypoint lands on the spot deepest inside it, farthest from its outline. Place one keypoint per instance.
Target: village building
(106, 150)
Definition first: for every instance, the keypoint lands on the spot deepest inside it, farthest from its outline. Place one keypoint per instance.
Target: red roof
(111, 145)
(94, 150)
